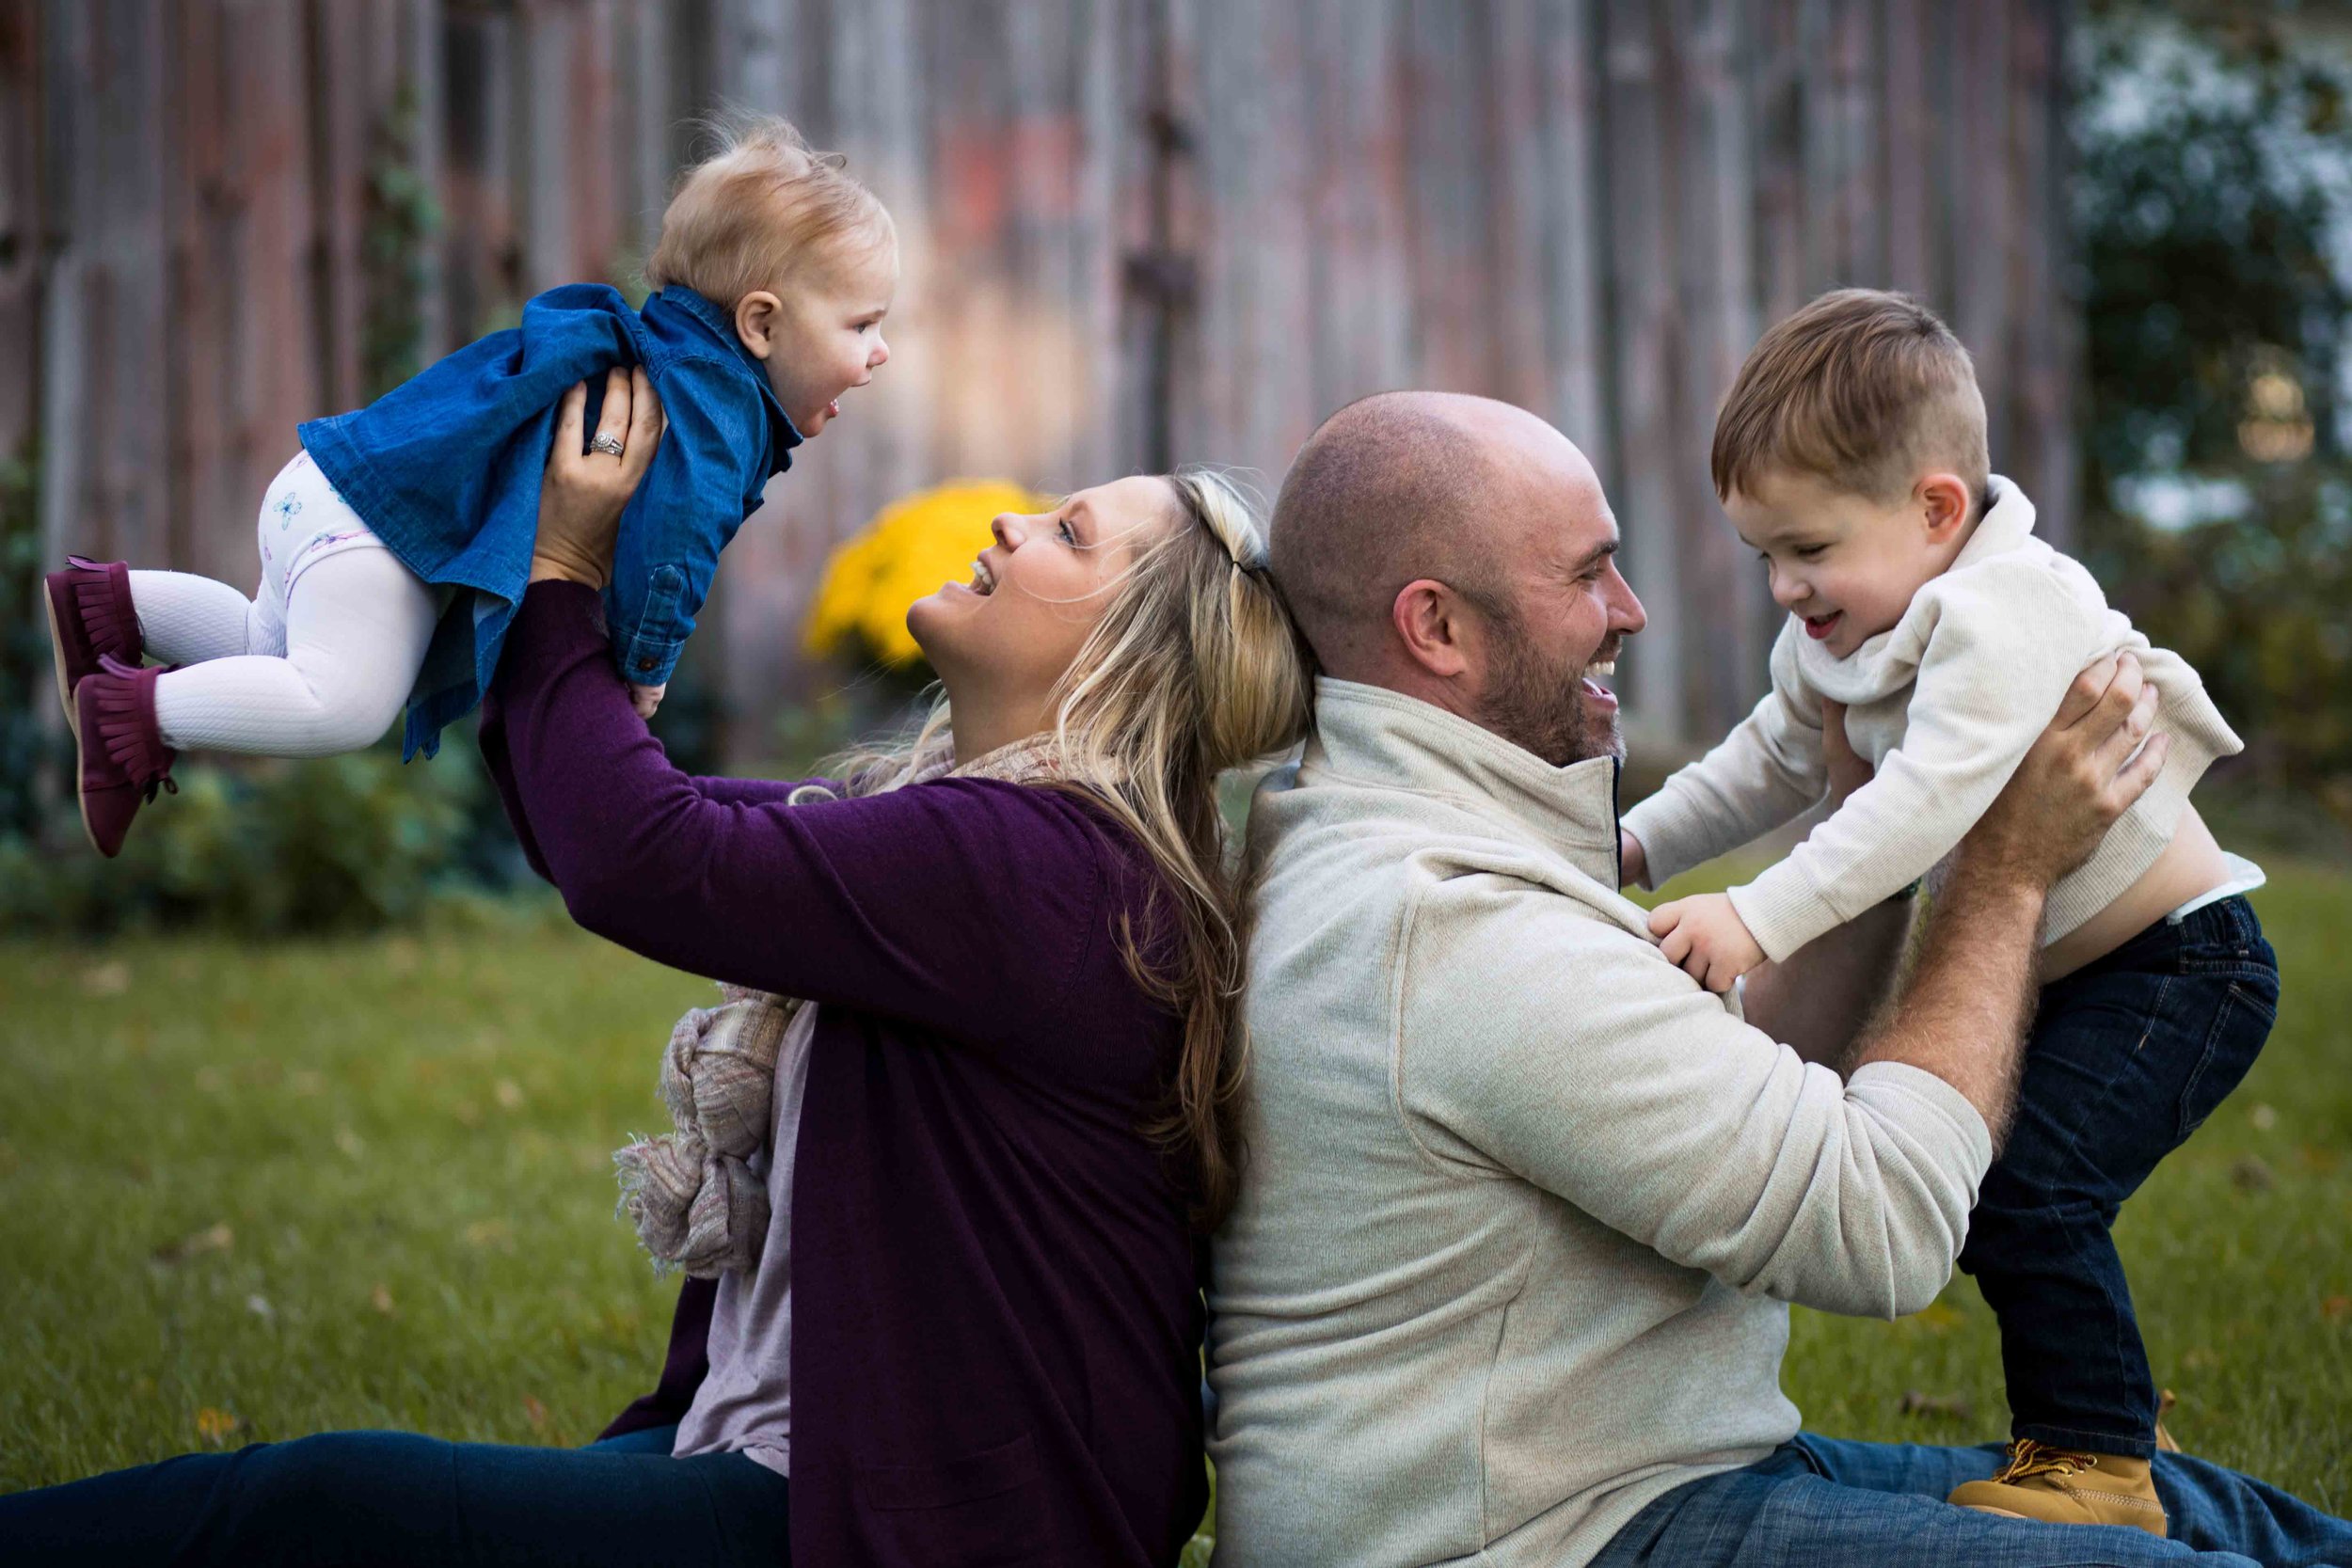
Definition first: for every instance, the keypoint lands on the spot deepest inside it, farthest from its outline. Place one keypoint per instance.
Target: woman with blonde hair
(969, 1331)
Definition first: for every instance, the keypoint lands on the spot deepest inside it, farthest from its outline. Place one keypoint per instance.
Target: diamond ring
(606, 443)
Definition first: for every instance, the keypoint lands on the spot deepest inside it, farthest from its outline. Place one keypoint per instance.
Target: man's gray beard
(1542, 709)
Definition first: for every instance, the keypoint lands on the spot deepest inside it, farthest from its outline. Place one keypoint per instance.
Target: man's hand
(1964, 1014)
(1705, 937)
(645, 699)
(1633, 860)
(2074, 782)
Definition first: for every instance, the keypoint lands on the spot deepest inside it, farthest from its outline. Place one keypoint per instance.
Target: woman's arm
(962, 905)
(588, 488)
(965, 905)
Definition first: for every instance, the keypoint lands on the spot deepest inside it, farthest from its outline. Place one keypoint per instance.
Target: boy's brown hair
(1862, 388)
(760, 209)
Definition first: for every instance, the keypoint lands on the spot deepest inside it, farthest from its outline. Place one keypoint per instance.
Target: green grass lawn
(251, 1192)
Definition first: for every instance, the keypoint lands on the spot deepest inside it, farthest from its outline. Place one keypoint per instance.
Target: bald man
(1524, 1204)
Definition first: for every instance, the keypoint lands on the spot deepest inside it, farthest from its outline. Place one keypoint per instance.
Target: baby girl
(396, 546)
(1850, 455)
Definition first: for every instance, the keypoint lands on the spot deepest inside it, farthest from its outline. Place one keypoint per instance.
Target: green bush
(337, 844)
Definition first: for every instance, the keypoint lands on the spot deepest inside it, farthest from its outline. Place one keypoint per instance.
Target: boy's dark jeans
(2128, 1055)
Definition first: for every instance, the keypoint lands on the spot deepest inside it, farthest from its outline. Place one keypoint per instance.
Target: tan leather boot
(2060, 1486)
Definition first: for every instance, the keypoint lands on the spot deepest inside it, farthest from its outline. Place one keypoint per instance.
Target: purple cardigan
(996, 1316)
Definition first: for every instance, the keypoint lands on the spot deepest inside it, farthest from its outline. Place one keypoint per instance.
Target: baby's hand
(1632, 860)
(644, 699)
(1707, 938)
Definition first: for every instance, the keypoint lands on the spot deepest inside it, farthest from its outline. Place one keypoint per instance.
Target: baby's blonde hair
(761, 211)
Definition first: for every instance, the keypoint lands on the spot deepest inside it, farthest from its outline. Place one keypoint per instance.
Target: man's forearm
(1965, 1011)
(1821, 996)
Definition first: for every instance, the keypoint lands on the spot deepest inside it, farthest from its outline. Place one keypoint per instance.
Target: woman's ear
(758, 316)
(1944, 505)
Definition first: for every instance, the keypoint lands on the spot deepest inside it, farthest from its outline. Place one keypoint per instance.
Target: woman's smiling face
(1038, 590)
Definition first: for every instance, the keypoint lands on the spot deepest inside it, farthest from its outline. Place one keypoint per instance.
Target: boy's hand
(1633, 860)
(1705, 937)
(644, 699)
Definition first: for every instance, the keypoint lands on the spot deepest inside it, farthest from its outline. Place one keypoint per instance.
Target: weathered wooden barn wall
(1136, 231)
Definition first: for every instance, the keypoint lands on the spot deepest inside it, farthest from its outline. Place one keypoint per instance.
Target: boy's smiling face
(1846, 564)
(824, 335)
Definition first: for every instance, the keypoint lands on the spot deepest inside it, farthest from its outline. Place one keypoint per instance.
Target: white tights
(356, 626)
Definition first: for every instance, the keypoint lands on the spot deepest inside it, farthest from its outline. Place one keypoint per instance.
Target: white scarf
(691, 1193)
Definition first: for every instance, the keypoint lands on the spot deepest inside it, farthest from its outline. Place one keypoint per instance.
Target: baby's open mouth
(1819, 627)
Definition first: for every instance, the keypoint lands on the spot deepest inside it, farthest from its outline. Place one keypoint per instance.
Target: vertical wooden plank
(420, 30)
(2037, 400)
(1784, 278)
(648, 73)
(756, 37)
(1034, 123)
(548, 164)
(1907, 120)
(1447, 241)
(594, 132)
(1985, 210)
(245, 243)
(1856, 199)
(1358, 330)
(352, 75)
(103, 423)
(1510, 58)
(479, 256)
(1111, 170)
(22, 225)
(1724, 662)
(1576, 334)
(1253, 304)
(1643, 301)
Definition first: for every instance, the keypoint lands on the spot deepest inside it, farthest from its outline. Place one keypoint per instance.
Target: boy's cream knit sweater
(1943, 705)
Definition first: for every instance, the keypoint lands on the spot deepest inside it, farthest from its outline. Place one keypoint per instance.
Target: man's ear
(1945, 505)
(758, 317)
(1433, 624)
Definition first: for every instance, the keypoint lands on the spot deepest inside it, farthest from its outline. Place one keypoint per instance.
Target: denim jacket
(445, 468)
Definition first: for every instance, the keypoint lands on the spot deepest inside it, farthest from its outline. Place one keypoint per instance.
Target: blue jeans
(388, 1497)
(2128, 1055)
(1821, 1503)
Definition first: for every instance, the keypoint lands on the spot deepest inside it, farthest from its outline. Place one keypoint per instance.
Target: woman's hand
(582, 494)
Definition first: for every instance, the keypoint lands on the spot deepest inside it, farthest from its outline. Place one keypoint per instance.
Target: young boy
(1850, 456)
(395, 546)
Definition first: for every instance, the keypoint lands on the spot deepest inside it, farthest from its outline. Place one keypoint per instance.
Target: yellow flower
(912, 547)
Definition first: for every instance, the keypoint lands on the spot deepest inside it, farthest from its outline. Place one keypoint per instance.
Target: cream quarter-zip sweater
(1944, 705)
(1523, 1203)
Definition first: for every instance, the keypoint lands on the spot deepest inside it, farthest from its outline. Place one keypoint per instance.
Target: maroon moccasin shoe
(123, 757)
(90, 618)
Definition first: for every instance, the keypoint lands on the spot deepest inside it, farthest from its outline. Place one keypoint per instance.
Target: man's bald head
(1459, 550)
(1401, 486)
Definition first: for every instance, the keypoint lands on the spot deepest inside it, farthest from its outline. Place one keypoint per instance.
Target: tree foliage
(2213, 201)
